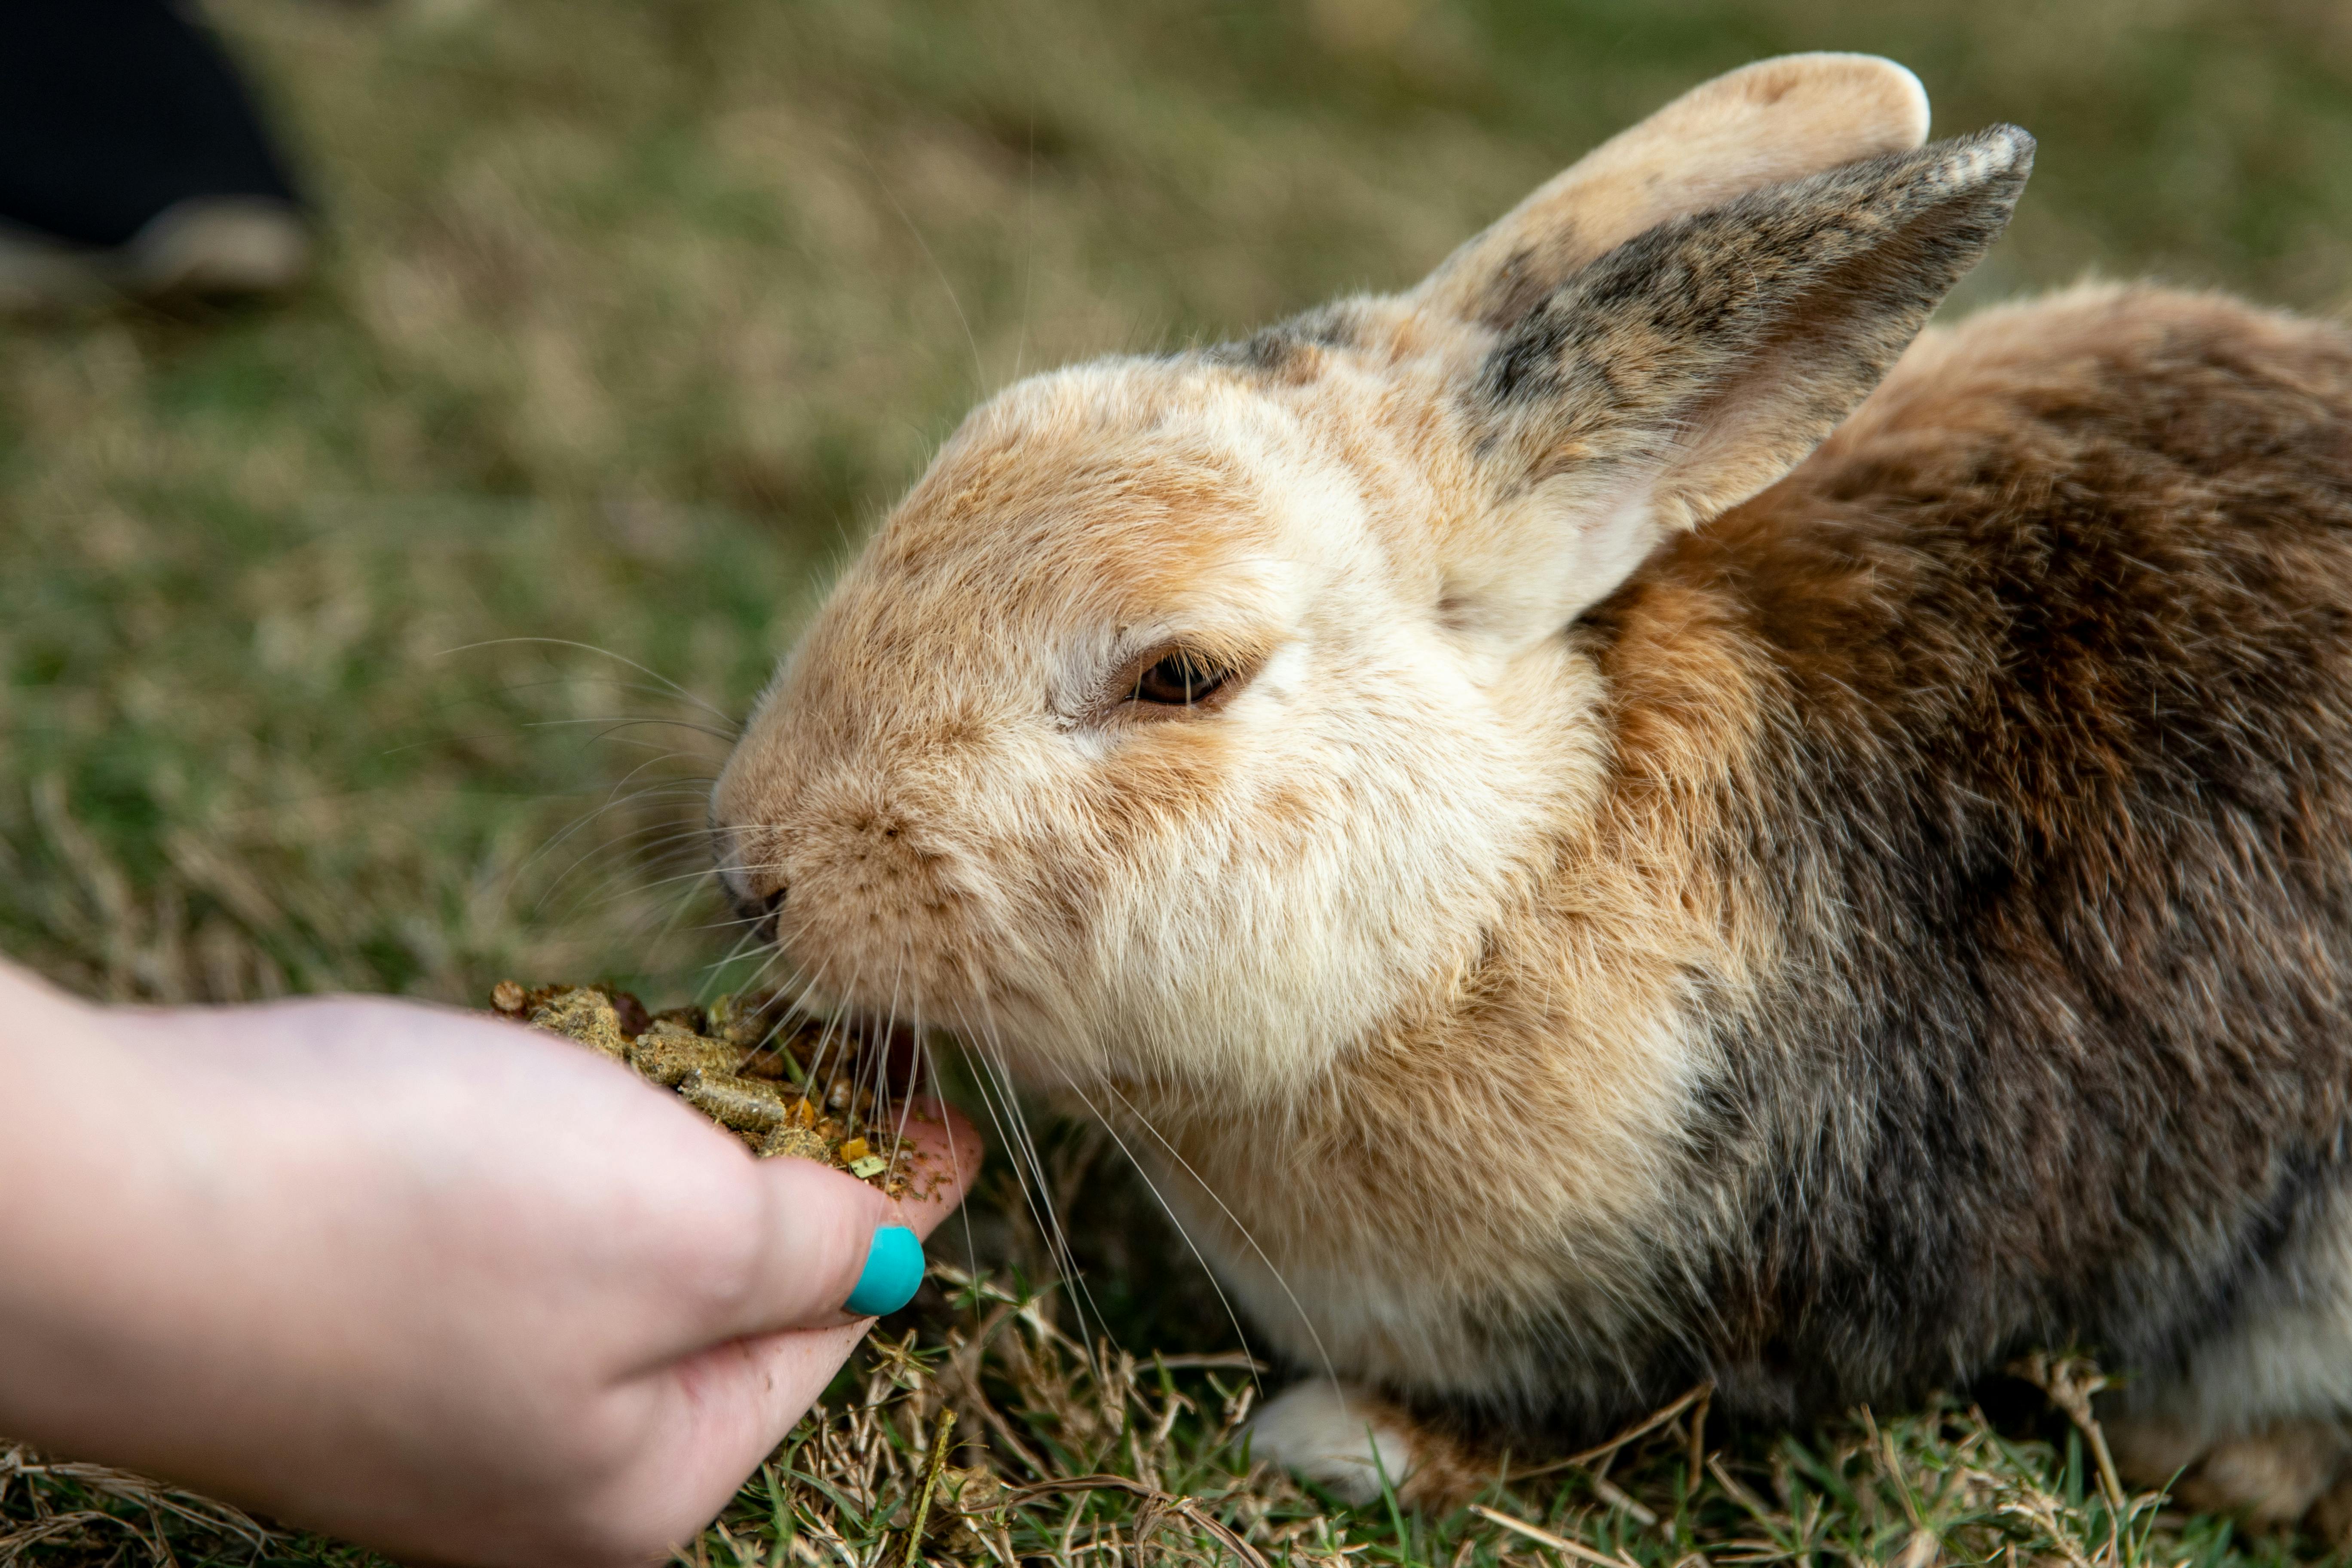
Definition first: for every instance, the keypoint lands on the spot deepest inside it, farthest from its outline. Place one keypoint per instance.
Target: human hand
(452, 1288)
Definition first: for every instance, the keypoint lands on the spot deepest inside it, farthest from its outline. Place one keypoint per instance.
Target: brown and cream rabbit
(1613, 819)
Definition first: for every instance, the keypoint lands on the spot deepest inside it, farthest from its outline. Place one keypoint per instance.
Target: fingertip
(836, 1246)
(944, 1158)
(893, 1273)
(821, 1228)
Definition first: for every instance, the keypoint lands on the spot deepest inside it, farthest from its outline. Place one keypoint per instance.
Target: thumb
(725, 1407)
(835, 1249)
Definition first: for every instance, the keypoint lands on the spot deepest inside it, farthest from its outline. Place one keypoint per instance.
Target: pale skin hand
(440, 1284)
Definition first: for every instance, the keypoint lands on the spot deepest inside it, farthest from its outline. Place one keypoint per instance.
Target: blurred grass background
(385, 639)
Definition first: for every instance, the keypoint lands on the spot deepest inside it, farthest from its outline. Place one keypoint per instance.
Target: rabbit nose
(769, 907)
(753, 904)
(761, 912)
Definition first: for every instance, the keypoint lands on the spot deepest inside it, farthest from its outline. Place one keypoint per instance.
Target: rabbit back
(2048, 804)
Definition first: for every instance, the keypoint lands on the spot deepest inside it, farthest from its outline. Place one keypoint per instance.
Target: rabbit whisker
(654, 674)
(1306, 1321)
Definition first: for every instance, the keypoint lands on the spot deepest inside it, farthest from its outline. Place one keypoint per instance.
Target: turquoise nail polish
(894, 1267)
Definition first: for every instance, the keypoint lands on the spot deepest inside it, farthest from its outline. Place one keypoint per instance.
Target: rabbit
(1628, 816)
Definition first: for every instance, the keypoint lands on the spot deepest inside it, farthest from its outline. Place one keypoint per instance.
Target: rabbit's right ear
(1775, 121)
(1697, 363)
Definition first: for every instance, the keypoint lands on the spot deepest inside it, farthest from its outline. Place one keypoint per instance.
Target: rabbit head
(1194, 714)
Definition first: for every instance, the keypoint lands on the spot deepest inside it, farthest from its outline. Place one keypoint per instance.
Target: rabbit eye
(1178, 680)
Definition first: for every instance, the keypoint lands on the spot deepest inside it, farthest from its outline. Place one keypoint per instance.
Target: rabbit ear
(1774, 121)
(1697, 363)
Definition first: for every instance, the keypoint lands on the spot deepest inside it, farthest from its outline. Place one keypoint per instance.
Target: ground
(386, 640)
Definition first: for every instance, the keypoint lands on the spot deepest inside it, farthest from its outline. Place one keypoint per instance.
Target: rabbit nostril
(750, 905)
(764, 928)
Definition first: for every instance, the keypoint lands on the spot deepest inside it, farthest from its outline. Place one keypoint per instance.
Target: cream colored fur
(1335, 1437)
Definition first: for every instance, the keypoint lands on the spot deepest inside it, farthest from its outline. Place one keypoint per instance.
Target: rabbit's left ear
(1774, 121)
(1696, 363)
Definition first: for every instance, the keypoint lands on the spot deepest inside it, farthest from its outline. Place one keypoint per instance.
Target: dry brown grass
(1003, 1441)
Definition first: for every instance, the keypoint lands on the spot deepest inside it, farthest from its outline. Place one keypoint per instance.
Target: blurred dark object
(133, 162)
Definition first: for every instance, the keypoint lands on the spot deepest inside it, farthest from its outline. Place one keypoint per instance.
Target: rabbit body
(1640, 892)
(1975, 852)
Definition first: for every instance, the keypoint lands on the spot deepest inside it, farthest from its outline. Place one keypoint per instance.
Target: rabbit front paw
(1337, 1437)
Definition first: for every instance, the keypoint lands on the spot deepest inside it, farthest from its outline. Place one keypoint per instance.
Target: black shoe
(132, 161)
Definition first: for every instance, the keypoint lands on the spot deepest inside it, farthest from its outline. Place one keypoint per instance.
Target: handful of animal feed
(782, 1081)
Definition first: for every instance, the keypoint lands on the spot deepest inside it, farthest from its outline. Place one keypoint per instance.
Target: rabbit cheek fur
(1906, 914)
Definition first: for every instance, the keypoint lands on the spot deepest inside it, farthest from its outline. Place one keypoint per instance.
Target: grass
(350, 644)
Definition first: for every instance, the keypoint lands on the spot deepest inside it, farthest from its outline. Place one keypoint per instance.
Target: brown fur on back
(2053, 808)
